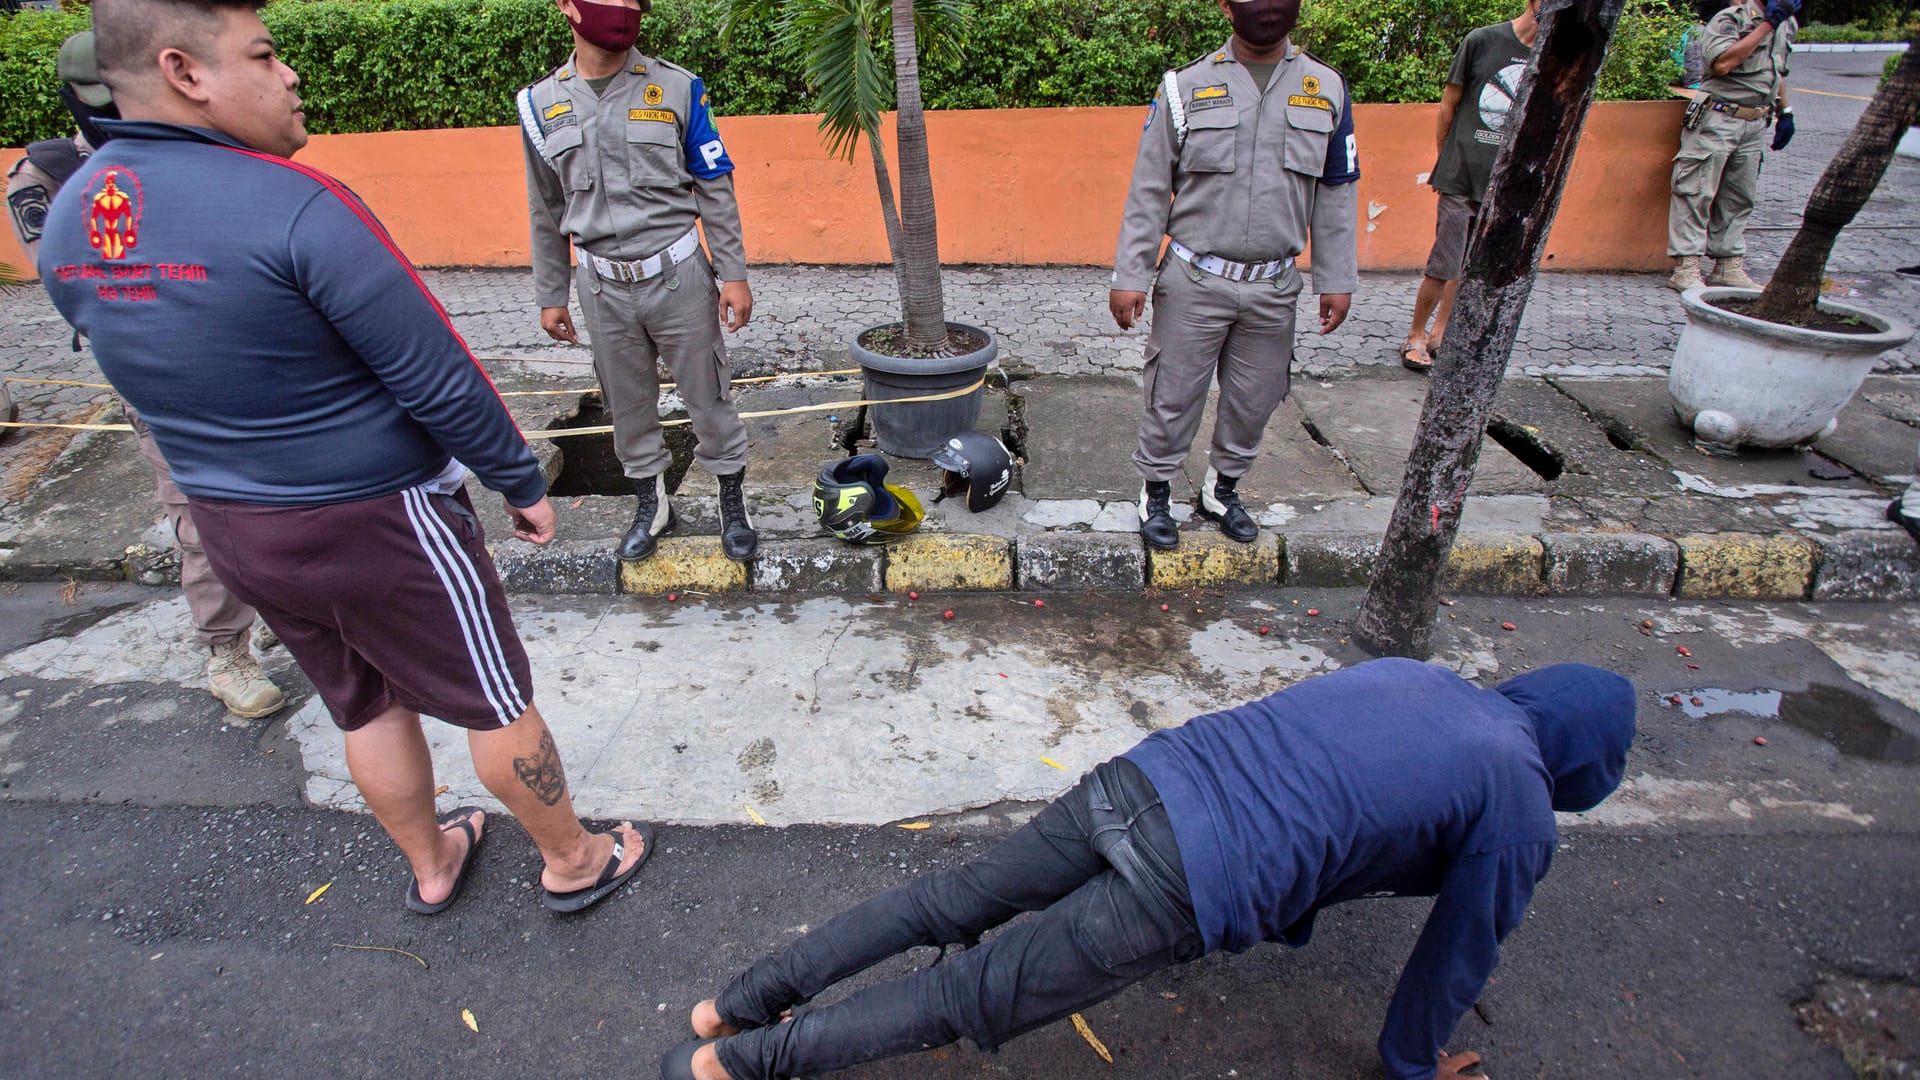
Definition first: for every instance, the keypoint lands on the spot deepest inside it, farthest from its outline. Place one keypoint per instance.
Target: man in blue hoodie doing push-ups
(1390, 778)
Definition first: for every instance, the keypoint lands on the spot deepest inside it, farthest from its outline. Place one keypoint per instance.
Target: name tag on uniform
(1209, 96)
(1310, 102)
(664, 116)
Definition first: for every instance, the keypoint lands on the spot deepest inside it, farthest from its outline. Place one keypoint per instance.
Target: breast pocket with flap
(1211, 144)
(1308, 130)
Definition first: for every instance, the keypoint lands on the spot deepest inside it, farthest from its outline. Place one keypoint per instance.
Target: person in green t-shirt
(1485, 77)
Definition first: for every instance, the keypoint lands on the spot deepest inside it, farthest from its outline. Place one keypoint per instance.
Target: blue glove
(1783, 131)
(1779, 11)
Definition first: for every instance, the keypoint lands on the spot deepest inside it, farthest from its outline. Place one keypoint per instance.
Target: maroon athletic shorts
(384, 601)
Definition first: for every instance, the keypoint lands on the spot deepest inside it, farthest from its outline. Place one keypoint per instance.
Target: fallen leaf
(442, 789)
(754, 814)
(1049, 761)
(916, 826)
(466, 1016)
(319, 892)
(575, 504)
(1080, 1025)
(383, 948)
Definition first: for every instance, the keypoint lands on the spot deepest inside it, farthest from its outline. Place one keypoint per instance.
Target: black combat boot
(1157, 526)
(737, 538)
(652, 518)
(1220, 502)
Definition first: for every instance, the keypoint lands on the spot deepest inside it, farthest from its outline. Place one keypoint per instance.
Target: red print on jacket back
(113, 207)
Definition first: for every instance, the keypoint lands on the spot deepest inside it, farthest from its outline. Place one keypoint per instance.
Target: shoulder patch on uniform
(29, 205)
(654, 95)
(662, 116)
(1310, 84)
(1339, 76)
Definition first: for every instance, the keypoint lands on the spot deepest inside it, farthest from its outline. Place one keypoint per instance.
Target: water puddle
(1847, 720)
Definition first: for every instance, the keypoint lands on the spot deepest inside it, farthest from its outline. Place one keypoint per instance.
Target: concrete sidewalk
(1586, 485)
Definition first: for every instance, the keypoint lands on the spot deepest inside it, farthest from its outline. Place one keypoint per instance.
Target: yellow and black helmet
(855, 503)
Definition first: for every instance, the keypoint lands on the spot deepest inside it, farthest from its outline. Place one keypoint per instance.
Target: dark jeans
(1099, 865)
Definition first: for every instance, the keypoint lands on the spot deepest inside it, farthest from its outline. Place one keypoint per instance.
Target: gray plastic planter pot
(1739, 382)
(916, 429)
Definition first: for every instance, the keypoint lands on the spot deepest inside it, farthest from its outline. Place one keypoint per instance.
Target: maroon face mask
(1263, 23)
(613, 27)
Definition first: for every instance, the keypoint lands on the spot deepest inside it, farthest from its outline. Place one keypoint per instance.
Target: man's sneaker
(1686, 274)
(1220, 502)
(1731, 272)
(1157, 526)
(235, 678)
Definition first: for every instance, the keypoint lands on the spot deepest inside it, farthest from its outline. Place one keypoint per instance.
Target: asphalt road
(161, 928)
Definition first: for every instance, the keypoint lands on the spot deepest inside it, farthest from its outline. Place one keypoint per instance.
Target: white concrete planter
(1739, 382)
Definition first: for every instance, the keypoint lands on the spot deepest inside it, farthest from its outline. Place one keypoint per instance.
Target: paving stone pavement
(1053, 320)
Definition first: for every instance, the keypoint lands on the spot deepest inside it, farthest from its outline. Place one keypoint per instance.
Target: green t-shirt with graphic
(1487, 69)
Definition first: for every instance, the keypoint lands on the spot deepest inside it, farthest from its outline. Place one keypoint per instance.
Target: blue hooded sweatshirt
(267, 328)
(1390, 778)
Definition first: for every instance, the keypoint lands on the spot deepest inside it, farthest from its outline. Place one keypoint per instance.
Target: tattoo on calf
(542, 772)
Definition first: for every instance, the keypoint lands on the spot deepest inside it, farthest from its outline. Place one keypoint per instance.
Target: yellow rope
(504, 393)
(561, 433)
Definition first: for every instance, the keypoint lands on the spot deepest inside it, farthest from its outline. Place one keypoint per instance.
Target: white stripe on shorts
(462, 581)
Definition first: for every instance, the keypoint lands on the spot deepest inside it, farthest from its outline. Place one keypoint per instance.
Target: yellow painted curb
(1495, 564)
(680, 563)
(1206, 559)
(1745, 566)
(938, 561)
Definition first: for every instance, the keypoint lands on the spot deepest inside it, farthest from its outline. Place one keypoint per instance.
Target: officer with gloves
(622, 160)
(1248, 152)
(1724, 138)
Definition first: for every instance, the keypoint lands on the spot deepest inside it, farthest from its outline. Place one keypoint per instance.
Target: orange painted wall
(1029, 186)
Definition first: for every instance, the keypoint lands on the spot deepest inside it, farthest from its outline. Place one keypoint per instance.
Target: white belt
(641, 269)
(1227, 268)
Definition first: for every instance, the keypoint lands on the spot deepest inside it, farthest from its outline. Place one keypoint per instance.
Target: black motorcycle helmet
(976, 464)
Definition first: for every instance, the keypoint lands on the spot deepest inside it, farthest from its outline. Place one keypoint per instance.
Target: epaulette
(669, 65)
(1344, 81)
(1215, 55)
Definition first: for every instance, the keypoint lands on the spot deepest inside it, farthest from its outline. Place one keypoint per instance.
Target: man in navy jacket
(311, 397)
(1391, 778)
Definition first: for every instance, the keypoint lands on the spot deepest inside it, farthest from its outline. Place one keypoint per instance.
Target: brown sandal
(1414, 357)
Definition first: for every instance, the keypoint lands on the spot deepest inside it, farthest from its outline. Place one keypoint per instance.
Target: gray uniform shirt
(1256, 175)
(30, 192)
(631, 170)
(1761, 77)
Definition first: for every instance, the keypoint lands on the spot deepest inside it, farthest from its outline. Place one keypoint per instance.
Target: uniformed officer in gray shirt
(1248, 152)
(1716, 174)
(623, 159)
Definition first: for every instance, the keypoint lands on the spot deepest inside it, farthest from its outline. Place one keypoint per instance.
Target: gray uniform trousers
(1715, 176)
(218, 615)
(1205, 325)
(671, 317)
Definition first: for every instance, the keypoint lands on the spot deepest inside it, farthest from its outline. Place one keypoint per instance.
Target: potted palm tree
(1774, 368)
(838, 43)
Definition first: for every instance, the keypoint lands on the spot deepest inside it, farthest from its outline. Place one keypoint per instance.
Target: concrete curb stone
(945, 561)
(1208, 560)
(1745, 566)
(1610, 564)
(1331, 560)
(1080, 562)
(684, 564)
(1868, 564)
(1495, 564)
(817, 565)
(563, 566)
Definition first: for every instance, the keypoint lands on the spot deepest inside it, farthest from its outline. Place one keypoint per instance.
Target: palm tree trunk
(889, 212)
(1794, 290)
(917, 256)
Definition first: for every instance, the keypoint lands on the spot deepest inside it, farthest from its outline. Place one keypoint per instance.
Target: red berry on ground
(1674, 700)
(1696, 701)
(1683, 650)
(1164, 607)
(1313, 611)
(671, 597)
(1508, 626)
(1263, 631)
(946, 615)
(1039, 603)
(913, 596)
(1759, 740)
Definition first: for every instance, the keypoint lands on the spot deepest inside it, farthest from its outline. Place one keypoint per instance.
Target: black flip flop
(677, 1063)
(421, 907)
(566, 903)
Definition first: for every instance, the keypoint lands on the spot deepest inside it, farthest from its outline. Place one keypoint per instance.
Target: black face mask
(1263, 23)
(85, 115)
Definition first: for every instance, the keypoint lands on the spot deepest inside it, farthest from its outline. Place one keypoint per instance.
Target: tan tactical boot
(235, 678)
(1732, 273)
(1686, 274)
(263, 637)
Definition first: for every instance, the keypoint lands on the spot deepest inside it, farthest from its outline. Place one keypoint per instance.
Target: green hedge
(388, 65)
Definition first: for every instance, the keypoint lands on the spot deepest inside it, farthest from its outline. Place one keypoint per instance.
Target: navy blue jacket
(1389, 778)
(266, 327)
